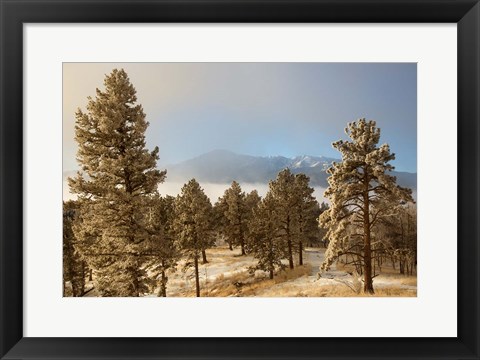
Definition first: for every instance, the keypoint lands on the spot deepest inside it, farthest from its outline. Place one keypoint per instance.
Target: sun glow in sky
(263, 109)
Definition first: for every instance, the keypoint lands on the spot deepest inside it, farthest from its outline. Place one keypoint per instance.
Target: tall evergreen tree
(306, 213)
(236, 216)
(297, 212)
(118, 172)
(283, 191)
(266, 242)
(252, 201)
(220, 222)
(162, 244)
(193, 225)
(361, 192)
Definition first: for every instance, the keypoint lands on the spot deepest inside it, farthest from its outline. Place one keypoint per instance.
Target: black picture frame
(14, 13)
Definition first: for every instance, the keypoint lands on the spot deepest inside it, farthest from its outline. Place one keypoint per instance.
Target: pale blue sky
(262, 109)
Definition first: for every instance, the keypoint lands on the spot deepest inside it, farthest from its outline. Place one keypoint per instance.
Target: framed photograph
(239, 179)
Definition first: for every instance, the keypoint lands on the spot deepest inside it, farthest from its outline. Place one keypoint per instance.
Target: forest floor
(227, 274)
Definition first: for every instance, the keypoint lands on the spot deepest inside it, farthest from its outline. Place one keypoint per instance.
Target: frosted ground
(227, 274)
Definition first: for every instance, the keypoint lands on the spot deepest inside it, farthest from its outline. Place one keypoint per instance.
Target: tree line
(170, 229)
(130, 238)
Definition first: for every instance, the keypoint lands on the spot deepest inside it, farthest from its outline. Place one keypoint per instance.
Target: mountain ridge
(224, 166)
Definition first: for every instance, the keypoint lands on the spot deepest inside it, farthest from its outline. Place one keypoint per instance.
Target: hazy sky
(262, 109)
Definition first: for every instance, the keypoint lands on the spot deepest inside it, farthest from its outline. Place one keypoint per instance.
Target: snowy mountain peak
(310, 161)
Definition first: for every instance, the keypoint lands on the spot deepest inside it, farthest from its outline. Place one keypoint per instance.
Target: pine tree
(283, 190)
(193, 225)
(235, 216)
(220, 221)
(361, 192)
(266, 243)
(118, 173)
(252, 201)
(305, 215)
(74, 268)
(162, 244)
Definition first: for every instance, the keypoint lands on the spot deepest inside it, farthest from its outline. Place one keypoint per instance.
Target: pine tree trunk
(163, 282)
(82, 284)
(90, 275)
(300, 253)
(163, 285)
(368, 283)
(230, 246)
(197, 279)
(289, 242)
(242, 238)
(204, 257)
(136, 286)
(271, 261)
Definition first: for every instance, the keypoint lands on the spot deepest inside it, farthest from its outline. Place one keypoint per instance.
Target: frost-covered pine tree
(117, 173)
(305, 215)
(235, 216)
(296, 212)
(252, 200)
(361, 192)
(220, 221)
(287, 199)
(193, 225)
(266, 243)
(162, 244)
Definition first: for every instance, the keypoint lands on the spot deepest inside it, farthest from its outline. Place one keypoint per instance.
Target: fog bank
(212, 190)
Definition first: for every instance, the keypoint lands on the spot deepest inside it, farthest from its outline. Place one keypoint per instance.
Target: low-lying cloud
(212, 190)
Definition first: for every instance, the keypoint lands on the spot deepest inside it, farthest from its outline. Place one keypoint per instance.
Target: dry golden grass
(408, 280)
(295, 273)
(343, 291)
(243, 283)
(256, 288)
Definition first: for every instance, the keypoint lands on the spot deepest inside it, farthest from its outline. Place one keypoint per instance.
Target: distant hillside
(222, 166)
